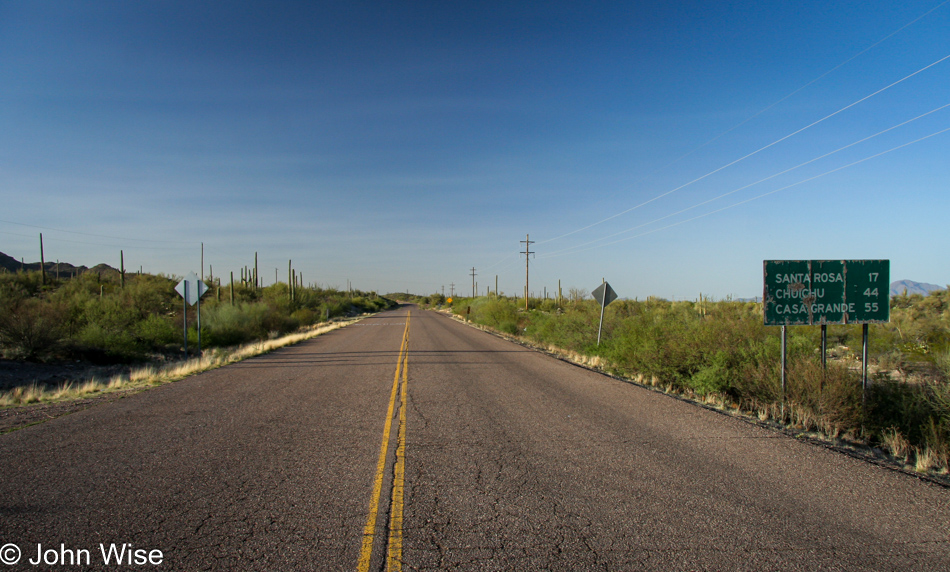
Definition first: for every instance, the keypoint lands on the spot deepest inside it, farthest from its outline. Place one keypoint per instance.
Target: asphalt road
(478, 454)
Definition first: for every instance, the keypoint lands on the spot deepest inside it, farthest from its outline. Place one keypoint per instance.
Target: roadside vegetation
(96, 319)
(159, 373)
(721, 354)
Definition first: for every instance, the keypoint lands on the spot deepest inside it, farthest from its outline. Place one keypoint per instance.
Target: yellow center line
(369, 530)
(394, 546)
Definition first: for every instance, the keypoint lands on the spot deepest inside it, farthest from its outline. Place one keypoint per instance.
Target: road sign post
(605, 295)
(184, 315)
(191, 290)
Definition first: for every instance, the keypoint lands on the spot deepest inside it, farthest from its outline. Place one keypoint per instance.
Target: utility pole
(527, 256)
(473, 282)
(42, 262)
(452, 287)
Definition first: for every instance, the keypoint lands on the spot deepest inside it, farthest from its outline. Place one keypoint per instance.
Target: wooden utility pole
(527, 256)
(257, 283)
(452, 290)
(122, 268)
(232, 287)
(473, 282)
(42, 262)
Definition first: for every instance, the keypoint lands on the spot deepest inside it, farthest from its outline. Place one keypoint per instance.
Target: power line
(581, 246)
(772, 192)
(759, 150)
(817, 79)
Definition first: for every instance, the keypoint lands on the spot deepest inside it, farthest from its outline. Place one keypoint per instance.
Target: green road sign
(814, 292)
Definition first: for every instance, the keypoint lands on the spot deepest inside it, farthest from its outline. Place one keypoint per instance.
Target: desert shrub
(27, 284)
(227, 325)
(717, 376)
(826, 400)
(30, 328)
(304, 316)
(100, 343)
(907, 407)
(494, 313)
(156, 331)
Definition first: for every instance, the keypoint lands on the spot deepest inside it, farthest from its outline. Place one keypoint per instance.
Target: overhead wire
(803, 87)
(697, 205)
(770, 106)
(772, 192)
(759, 150)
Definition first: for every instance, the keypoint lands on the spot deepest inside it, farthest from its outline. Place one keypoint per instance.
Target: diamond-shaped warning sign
(191, 289)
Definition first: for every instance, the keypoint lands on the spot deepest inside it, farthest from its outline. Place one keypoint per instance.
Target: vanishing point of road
(411, 441)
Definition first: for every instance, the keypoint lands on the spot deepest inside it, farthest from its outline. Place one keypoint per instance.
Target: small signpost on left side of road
(191, 290)
(605, 295)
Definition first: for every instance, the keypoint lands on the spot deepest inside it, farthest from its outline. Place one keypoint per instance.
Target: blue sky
(399, 144)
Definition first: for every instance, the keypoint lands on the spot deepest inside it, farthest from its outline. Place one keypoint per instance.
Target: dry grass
(897, 444)
(153, 375)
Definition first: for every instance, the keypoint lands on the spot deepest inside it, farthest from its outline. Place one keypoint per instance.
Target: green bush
(99, 343)
(717, 376)
(157, 331)
(30, 328)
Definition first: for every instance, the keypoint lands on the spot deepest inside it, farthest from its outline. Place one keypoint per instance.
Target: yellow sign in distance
(449, 300)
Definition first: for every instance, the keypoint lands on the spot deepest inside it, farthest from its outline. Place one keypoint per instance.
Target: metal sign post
(191, 290)
(605, 295)
(784, 365)
(184, 313)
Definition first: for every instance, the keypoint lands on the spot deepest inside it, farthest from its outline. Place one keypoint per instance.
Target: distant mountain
(922, 288)
(60, 269)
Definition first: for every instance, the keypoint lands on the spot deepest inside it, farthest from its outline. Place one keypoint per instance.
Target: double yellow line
(394, 544)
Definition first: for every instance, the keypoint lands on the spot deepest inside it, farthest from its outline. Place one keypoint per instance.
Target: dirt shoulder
(13, 418)
(15, 374)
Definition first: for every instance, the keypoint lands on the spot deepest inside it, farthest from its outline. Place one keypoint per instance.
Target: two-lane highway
(411, 441)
